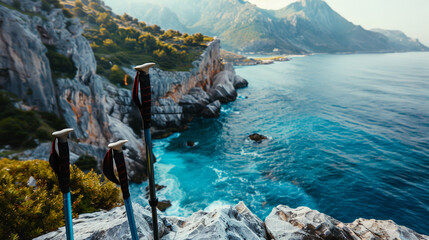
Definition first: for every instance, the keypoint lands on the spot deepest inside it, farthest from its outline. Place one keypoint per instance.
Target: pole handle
(60, 163)
(122, 173)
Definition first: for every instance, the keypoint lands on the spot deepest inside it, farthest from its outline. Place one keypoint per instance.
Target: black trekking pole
(109, 172)
(142, 78)
(60, 162)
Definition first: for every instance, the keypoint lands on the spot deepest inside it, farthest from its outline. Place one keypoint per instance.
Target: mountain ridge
(306, 26)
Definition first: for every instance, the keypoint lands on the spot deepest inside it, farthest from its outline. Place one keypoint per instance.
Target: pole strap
(109, 172)
(60, 163)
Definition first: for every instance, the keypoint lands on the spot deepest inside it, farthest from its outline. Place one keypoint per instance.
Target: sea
(348, 135)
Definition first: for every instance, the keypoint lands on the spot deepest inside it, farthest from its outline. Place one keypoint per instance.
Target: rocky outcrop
(222, 223)
(304, 223)
(233, 222)
(180, 96)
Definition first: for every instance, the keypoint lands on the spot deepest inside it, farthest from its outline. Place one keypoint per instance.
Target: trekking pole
(109, 172)
(142, 78)
(60, 162)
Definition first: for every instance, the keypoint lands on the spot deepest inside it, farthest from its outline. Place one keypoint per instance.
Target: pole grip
(146, 98)
(60, 163)
(122, 173)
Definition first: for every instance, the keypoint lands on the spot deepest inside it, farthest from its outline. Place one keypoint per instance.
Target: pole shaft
(130, 216)
(152, 200)
(68, 215)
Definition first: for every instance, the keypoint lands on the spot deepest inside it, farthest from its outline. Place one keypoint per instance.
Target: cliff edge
(234, 222)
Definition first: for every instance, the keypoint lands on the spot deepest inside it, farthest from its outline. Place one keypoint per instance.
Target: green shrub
(61, 66)
(31, 211)
(20, 128)
(86, 162)
(16, 4)
(53, 120)
(67, 13)
(117, 75)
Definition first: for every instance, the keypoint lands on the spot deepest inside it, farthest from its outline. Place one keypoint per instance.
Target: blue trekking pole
(109, 172)
(60, 162)
(142, 78)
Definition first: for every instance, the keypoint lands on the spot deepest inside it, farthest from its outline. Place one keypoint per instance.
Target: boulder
(382, 229)
(240, 82)
(212, 110)
(223, 87)
(195, 101)
(226, 222)
(303, 223)
(286, 223)
(163, 205)
(257, 137)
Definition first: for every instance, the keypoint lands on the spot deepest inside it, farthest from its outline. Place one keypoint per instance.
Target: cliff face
(98, 111)
(235, 222)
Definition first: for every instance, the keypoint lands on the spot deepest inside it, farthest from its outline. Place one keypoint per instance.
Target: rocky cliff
(234, 222)
(98, 111)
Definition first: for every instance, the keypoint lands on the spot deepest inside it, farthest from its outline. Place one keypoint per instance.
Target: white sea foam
(255, 154)
(216, 204)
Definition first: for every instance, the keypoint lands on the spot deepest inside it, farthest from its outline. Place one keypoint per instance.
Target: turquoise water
(348, 136)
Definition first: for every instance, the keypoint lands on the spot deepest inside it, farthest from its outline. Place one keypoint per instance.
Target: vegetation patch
(87, 163)
(61, 66)
(22, 129)
(123, 41)
(29, 210)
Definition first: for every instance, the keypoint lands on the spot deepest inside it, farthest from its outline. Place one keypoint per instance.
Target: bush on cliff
(20, 129)
(30, 210)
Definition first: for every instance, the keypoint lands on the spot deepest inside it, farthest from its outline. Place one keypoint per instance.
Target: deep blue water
(348, 136)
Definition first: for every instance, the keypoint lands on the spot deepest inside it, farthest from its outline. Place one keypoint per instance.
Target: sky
(409, 16)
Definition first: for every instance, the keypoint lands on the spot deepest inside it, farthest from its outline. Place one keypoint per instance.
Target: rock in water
(190, 143)
(257, 137)
(212, 110)
(163, 205)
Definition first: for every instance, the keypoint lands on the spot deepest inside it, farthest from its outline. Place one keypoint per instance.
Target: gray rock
(195, 101)
(222, 223)
(303, 223)
(382, 229)
(212, 110)
(23, 64)
(110, 225)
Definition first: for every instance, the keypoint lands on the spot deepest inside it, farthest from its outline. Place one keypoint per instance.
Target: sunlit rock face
(304, 223)
(228, 222)
(233, 222)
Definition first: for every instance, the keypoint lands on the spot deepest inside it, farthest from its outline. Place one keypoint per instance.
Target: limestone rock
(223, 223)
(303, 223)
(195, 101)
(382, 229)
(212, 110)
(110, 225)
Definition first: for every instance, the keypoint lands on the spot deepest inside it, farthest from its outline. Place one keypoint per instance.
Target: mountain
(305, 26)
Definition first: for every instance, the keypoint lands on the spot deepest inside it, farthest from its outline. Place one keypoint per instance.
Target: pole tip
(62, 133)
(117, 145)
(144, 67)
